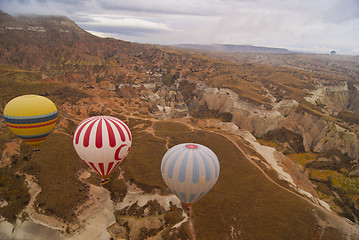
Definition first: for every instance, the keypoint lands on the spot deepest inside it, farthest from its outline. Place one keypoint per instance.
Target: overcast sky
(318, 26)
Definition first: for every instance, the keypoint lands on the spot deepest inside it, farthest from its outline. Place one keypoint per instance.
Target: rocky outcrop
(332, 98)
(318, 134)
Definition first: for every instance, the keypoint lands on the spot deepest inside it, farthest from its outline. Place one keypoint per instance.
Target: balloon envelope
(102, 142)
(190, 170)
(31, 118)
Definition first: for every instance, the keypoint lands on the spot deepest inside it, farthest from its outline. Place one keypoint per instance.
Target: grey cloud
(170, 7)
(126, 31)
(342, 11)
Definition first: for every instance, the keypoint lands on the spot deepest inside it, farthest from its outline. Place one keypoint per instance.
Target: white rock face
(3, 203)
(35, 231)
(6, 229)
(285, 107)
(268, 154)
(96, 215)
(334, 97)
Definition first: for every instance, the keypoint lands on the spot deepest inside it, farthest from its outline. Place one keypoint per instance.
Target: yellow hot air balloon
(31, 118)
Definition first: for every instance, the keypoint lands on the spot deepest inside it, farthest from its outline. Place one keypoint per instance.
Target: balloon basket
(187, 208)
(104, 181)
(36, 150)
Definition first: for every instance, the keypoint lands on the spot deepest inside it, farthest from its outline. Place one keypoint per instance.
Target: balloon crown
(191, 146)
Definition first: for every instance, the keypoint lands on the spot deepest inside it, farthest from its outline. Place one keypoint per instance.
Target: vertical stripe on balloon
(167, 156)
(171, 167)
(99, 135)
(202, 194)
(122, 135)
(111, 135)
(174, 191)
(82, 125)
(127, 130)
(195, 174)
(207, 168)
(191, 198)
(182, 171)
(109, 168)
(87, 134)
(214, 161)
(102, 169)
(93, 166)
(183, 197)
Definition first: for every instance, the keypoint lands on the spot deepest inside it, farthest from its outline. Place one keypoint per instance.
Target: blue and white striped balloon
(190, 170)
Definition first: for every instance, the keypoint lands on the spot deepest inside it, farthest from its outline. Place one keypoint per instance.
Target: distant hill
(38, 23)
(235, 48)
(33, 41)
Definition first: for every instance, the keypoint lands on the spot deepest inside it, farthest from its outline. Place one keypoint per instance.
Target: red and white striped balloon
(102, 142)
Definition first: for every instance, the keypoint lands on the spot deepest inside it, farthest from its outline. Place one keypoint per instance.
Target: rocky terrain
(284, 127)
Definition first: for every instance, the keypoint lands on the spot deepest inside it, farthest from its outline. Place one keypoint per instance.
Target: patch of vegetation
(323, 188)
(132, 122)
(348, 207)
(176, 233)
(71, 127)
(345, 187)
(14, 192)
(55, 167)
(303, 158)
(115, 186)
(349, 117)
(336, 180)
(164, 127)
(335, 160)
(204, 113)
(168, 80)
(66, 93)
(12, 183)
(142, 165)
(285, 136)
(15, 82)
(99, 79)
(187, 90)
(330, 233)
(173, 216)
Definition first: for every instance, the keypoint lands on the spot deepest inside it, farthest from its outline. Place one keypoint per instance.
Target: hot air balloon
(102, 142)
(190, 170)
(31, 118)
